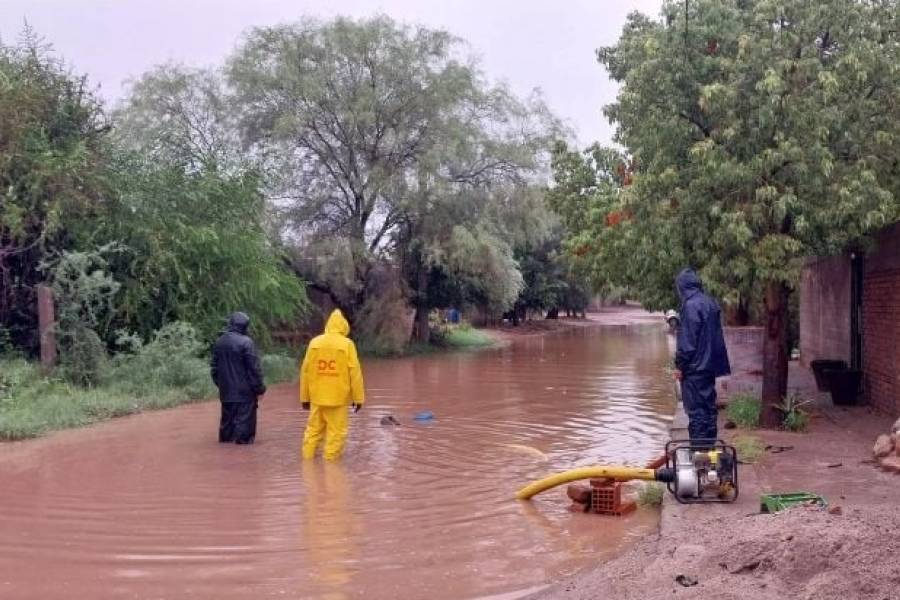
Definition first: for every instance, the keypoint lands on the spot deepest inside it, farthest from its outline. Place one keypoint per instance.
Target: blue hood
(687, 283)
(238, 323)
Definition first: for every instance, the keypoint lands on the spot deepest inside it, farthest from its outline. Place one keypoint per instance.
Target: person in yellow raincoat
(330, 380)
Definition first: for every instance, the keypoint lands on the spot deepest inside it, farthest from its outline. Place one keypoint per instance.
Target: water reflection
(152, 506)
(328, 533)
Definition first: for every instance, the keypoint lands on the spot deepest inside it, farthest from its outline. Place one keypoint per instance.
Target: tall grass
(161, 374)
(280, 367)
(467, 337)
(749, 449)
(743, 410)
(461, 336)
(651, 494)
(33, 404)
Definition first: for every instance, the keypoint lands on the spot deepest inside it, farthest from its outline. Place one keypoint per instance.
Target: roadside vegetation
(651, 494)
(750, 449)
(165, 372)
(793, 416)
(384, 174)
(463, 336)
(743, 411)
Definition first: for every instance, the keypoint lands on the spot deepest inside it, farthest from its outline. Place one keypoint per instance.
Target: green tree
(374, 131)
(53, 156)
(762, 131)
(195, 248)
(603, 242)
(191, 213)
(183, 116)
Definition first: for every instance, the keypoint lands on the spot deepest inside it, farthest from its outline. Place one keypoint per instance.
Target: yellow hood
(337, 323)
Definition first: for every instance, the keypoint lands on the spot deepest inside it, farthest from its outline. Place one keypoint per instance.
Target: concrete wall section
(745, 352)
(825, 309)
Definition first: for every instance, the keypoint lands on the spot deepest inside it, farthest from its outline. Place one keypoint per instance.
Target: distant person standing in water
(700, 356)
(330, 382)
(236, 372)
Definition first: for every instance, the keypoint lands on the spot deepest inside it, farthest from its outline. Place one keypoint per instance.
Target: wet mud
(152, 506)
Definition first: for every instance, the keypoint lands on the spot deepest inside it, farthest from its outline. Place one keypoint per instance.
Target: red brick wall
(881, 338)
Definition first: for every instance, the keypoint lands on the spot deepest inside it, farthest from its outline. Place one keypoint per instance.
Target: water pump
(695, 472)
(700, 471)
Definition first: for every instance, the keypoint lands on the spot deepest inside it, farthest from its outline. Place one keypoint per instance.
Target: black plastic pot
(843, 385)
(820, 366)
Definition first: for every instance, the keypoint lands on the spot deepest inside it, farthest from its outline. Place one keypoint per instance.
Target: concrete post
(47, 327)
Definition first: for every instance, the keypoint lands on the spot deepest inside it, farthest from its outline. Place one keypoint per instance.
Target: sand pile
(803, 553)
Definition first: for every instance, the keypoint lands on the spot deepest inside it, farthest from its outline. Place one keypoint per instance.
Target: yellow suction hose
(610, 472)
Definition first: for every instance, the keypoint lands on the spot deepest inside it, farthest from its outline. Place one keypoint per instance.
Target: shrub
(796, 421)
(83, 359)
(279, 368)
(793, 417)
(13, 376)
(6, 344)
(651, 494)
(743, 410)
(172, 360)
(465, 336)
(84, 293)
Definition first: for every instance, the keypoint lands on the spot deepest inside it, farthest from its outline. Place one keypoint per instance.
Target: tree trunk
(421, 332)
(553, 313)
(775, 357)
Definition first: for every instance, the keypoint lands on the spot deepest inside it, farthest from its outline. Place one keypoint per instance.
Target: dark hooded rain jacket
(235, 365)
(701, 345)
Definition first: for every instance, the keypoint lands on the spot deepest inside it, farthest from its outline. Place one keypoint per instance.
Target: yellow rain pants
(329, 422)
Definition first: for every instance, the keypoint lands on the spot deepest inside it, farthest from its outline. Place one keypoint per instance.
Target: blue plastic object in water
(425, 415)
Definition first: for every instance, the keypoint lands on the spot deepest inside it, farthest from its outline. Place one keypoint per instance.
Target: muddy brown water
(152, 506)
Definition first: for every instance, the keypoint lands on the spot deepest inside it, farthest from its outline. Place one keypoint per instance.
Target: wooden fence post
(47, 327)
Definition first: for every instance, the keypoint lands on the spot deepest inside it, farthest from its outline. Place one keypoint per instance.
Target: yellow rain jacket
(330, 379)
(331, 374)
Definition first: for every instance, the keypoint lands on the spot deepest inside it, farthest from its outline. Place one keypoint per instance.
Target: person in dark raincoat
(236, 372)
(700, 355)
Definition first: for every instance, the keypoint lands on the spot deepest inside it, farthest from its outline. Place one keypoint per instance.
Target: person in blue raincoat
(700, 355)
(235, 369)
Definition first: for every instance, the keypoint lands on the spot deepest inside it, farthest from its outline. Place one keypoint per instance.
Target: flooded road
(153, 507)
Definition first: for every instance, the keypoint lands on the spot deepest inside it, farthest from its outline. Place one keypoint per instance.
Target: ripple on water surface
(152, 507)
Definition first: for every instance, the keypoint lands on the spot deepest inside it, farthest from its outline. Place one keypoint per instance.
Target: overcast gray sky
(527, 43)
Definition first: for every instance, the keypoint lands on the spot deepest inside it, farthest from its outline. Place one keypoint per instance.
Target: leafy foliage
(84, 292)
(172, 359)
(279, 367)
(195, 248)
(336, 151)
(794, 417)
(651, 494)
(180, 116)
(743, 410)
(390, 146)
(52, 172)
(758, 132)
